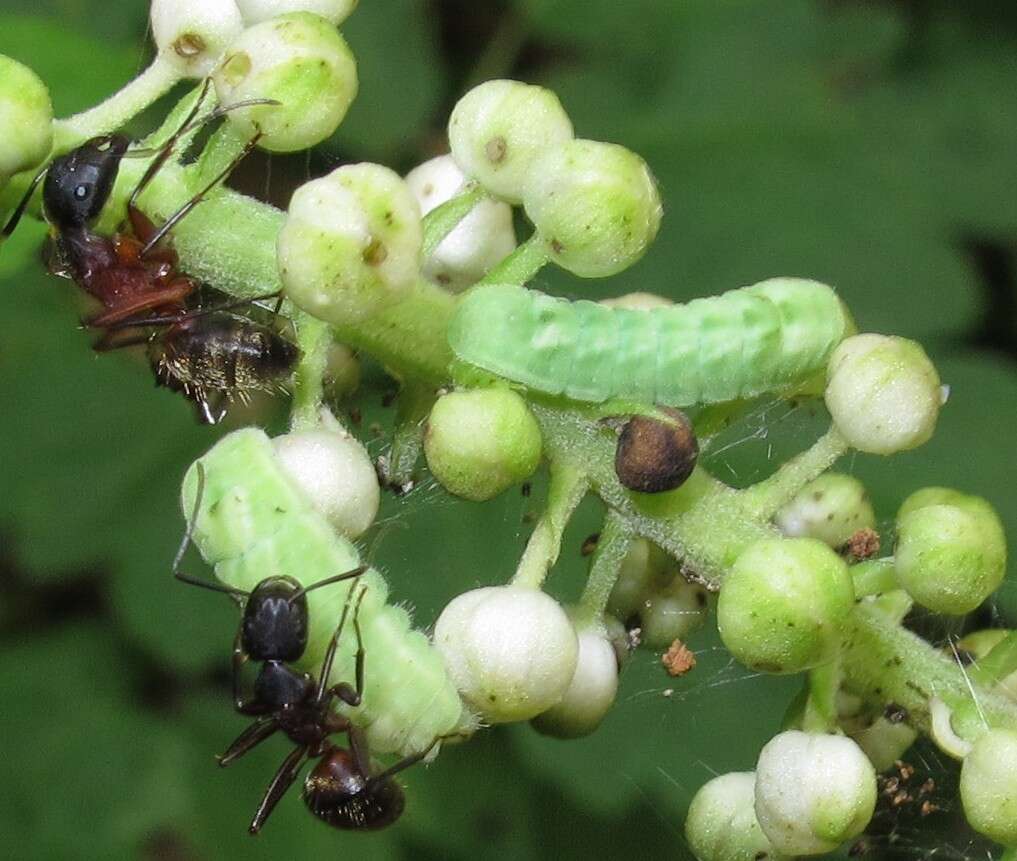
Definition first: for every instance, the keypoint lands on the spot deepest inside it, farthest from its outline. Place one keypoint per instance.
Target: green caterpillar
(771, 337)
(253, 523)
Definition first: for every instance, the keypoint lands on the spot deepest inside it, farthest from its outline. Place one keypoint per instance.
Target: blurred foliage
(866, 144)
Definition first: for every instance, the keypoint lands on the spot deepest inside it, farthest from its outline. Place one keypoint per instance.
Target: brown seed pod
(656, 454)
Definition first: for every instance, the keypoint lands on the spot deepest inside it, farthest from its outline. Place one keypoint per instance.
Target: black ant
(206, 354)
(340, 789)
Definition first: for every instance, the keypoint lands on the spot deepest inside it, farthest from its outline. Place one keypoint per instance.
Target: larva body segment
(769, 337)
(253, 523)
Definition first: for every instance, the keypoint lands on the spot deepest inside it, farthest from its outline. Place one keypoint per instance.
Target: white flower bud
(350, 244)
(482, 239)
(595, 206)
(590, 694)
(813, 792)
(883, 393)
(194, 34)
(335, 472)
(645, 570)
(511, 651)
(334, 11)
(26, 117)
(497, 130)
(832, 509)
(300, 61)
(722, 825)
(988, 786)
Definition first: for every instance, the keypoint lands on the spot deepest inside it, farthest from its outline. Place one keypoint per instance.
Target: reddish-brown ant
(341, 789)
(207, 354)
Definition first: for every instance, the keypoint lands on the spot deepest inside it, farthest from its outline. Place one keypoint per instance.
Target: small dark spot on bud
(388, 218)
(428, 189)
(556, 246)
(189, 45)
(895, 713)
(443, 278)
(496, 149)
(590, 544)
(655, 455)
(526, 488)
(375, 253)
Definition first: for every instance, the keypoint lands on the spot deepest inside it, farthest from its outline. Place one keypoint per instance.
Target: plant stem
(111, 114)
(568, 486)
(821, 707)
(415, 402)
(442, 220)
(766, 497)
(520, 266)
(885, 663)
(612, 546)
(313, 338)
(874, 577)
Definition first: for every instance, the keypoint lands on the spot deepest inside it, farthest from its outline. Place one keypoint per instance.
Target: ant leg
(193, 314)
(107, 342)
(164, 152)
(404, 763)
(328, 581)
(282, 781)
(343, 690)
(358, 747)
(171, 222)
(244, 707)
(172, 294)
(211, 406)
(250, 738)
(189, 535)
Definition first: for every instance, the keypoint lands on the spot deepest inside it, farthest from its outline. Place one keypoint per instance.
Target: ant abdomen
(338, 792)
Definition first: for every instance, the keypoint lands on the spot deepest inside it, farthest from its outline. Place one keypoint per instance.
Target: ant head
(78, 184)
(274, 627)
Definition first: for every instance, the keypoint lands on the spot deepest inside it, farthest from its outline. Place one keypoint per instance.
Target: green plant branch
(567, 488)
(821, 706)
(521, 265)
(612, 546)
(442, 220)
(999, 663)
(874, 577)
(314, 338)
(415, 402)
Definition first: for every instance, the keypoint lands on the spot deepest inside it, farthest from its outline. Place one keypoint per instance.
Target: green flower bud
(480, 442)
(637, 301)
(781, 606)
(333, 11)
(813, 792)
(722, 825)
(510, 651)
(950, 558)
(335, 472)
(26, 117)
(350, 244)
(943, 496)
(645, 570)
(832, 509)
(595, 206)
(589, 695)
(883, 741)
(497, 130)
(883, 393)
(988, 786)
(194, 34)
(673, 613)
(299, 60)
(482, 239)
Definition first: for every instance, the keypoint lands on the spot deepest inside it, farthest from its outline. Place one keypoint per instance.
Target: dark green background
(870, 145)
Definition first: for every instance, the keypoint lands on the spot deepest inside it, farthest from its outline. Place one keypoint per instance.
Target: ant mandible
(206, 354)
(340, 789)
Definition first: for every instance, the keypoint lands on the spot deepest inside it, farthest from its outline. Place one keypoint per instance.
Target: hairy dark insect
(341, 789)
(210, 356)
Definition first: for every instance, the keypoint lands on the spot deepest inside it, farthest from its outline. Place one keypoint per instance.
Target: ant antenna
(189, 535)
(22, 205)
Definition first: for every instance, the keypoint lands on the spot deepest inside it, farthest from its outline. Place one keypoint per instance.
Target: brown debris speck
(864, 544)
(679, 659)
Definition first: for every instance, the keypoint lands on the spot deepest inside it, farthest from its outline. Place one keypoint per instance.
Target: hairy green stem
(821, 707)
(999, 663)
(884, 663)
(874, 577)
(314, 338)
(766, 498)
(612, 546)
(415, 402)
(521, 265)
(442, 220)
(567, 488)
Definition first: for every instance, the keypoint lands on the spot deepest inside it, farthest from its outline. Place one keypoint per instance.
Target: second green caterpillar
(770, 337)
